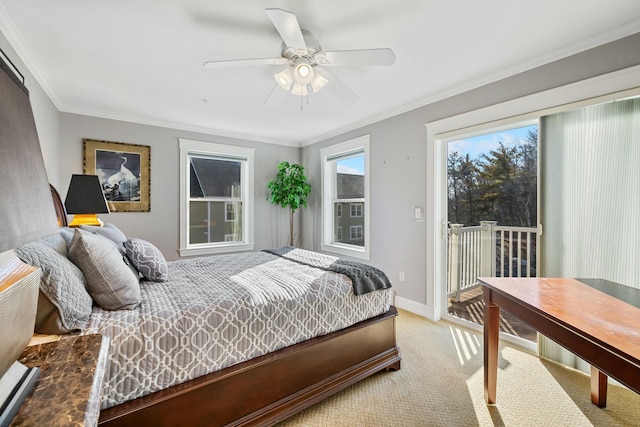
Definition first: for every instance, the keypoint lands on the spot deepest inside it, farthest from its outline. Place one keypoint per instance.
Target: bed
(223, 379)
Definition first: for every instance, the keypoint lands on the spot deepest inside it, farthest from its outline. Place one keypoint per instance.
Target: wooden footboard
(270, 388)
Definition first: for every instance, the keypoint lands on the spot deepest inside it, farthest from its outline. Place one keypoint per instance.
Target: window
(356, 232)
(216, 209)
(230, 211)
(345, 187)
(356, 210)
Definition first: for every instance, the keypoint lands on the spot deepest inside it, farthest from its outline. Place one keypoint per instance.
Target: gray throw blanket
(364, 278)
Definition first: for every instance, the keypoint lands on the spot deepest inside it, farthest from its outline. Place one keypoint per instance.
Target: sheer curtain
(590, 199)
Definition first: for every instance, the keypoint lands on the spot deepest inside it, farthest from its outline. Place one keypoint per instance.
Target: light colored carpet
(441, 384)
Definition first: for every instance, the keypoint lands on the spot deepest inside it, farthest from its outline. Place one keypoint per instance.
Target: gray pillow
(109, 280)
(62, 283)
(148, 259)
(67, 233)
(115, 236)
(109, 231)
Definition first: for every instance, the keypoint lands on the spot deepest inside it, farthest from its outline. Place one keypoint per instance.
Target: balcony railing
(489, 250)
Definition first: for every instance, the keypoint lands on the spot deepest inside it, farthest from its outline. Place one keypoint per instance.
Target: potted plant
(289, 190)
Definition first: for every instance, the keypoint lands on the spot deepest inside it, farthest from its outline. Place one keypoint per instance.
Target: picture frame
(124, 171)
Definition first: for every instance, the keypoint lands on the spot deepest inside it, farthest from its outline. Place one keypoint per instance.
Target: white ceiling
(142, 60)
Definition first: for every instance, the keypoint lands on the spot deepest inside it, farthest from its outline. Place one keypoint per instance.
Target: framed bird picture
(124, 171)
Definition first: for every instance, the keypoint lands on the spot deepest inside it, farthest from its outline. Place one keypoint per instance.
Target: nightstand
(69, 390)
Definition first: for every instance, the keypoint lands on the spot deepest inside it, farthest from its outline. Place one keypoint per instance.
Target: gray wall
(161, 225)
(399, 166)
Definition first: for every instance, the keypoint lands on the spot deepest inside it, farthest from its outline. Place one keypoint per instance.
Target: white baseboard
(412, 306)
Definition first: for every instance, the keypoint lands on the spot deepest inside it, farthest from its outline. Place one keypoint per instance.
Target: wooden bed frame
(269, 388)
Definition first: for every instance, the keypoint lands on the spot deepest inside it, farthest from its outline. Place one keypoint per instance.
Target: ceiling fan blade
(383, 56)
(337, 88)
(287, 25)
(244, 62)
(275, 97)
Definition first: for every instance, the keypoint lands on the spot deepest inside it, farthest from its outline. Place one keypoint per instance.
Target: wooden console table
(69, 390)
(599, 328)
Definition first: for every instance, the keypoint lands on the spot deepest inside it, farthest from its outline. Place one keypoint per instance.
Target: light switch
(418, 214)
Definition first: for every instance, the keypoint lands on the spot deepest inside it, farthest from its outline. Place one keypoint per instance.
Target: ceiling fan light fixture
(299, 89)
(303, 72)
(318, 82)
(284, 78)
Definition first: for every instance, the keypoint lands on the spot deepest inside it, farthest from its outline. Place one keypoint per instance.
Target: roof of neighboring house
(213, 177)
(350, 186)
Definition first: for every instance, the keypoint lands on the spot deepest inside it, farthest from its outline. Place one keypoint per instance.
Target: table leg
(491, 336)
(598, 387)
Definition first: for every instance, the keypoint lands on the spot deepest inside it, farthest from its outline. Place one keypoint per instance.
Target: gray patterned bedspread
(221, 310)
(364, 278)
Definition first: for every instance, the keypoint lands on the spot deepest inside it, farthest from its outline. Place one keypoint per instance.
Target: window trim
(328, 172)
(190, 147)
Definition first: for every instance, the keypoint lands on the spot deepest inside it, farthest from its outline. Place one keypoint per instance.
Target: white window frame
(328, 155)
(339, 232)
(246, 155)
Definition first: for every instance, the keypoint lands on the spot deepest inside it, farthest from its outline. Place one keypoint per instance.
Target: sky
(352, 165)
(477, 145)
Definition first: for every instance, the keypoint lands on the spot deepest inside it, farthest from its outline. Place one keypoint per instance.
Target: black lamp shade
(85, 196)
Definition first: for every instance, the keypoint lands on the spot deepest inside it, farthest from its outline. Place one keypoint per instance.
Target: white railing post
(455, 260)
(488, 249)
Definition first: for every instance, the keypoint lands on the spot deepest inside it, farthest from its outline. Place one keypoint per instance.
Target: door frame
(575, 95)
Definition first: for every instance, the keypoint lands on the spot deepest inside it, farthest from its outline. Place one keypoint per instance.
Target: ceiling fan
(306, 61)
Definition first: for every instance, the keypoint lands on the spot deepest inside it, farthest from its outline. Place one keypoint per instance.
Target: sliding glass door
(492, 216)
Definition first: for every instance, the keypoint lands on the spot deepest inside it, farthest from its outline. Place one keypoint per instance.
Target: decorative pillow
(148, 259)
(67, 233)
(109, 280)
(115, 236)
(109, 231)
(62, 284)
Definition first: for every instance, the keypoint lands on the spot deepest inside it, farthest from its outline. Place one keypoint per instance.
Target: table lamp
(85, 200)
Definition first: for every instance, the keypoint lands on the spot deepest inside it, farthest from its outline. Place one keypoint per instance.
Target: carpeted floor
(441, 384)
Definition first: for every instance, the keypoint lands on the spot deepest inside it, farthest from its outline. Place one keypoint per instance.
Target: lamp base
(86, 219)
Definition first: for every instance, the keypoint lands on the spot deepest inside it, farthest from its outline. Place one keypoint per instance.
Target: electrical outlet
(402, 276)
